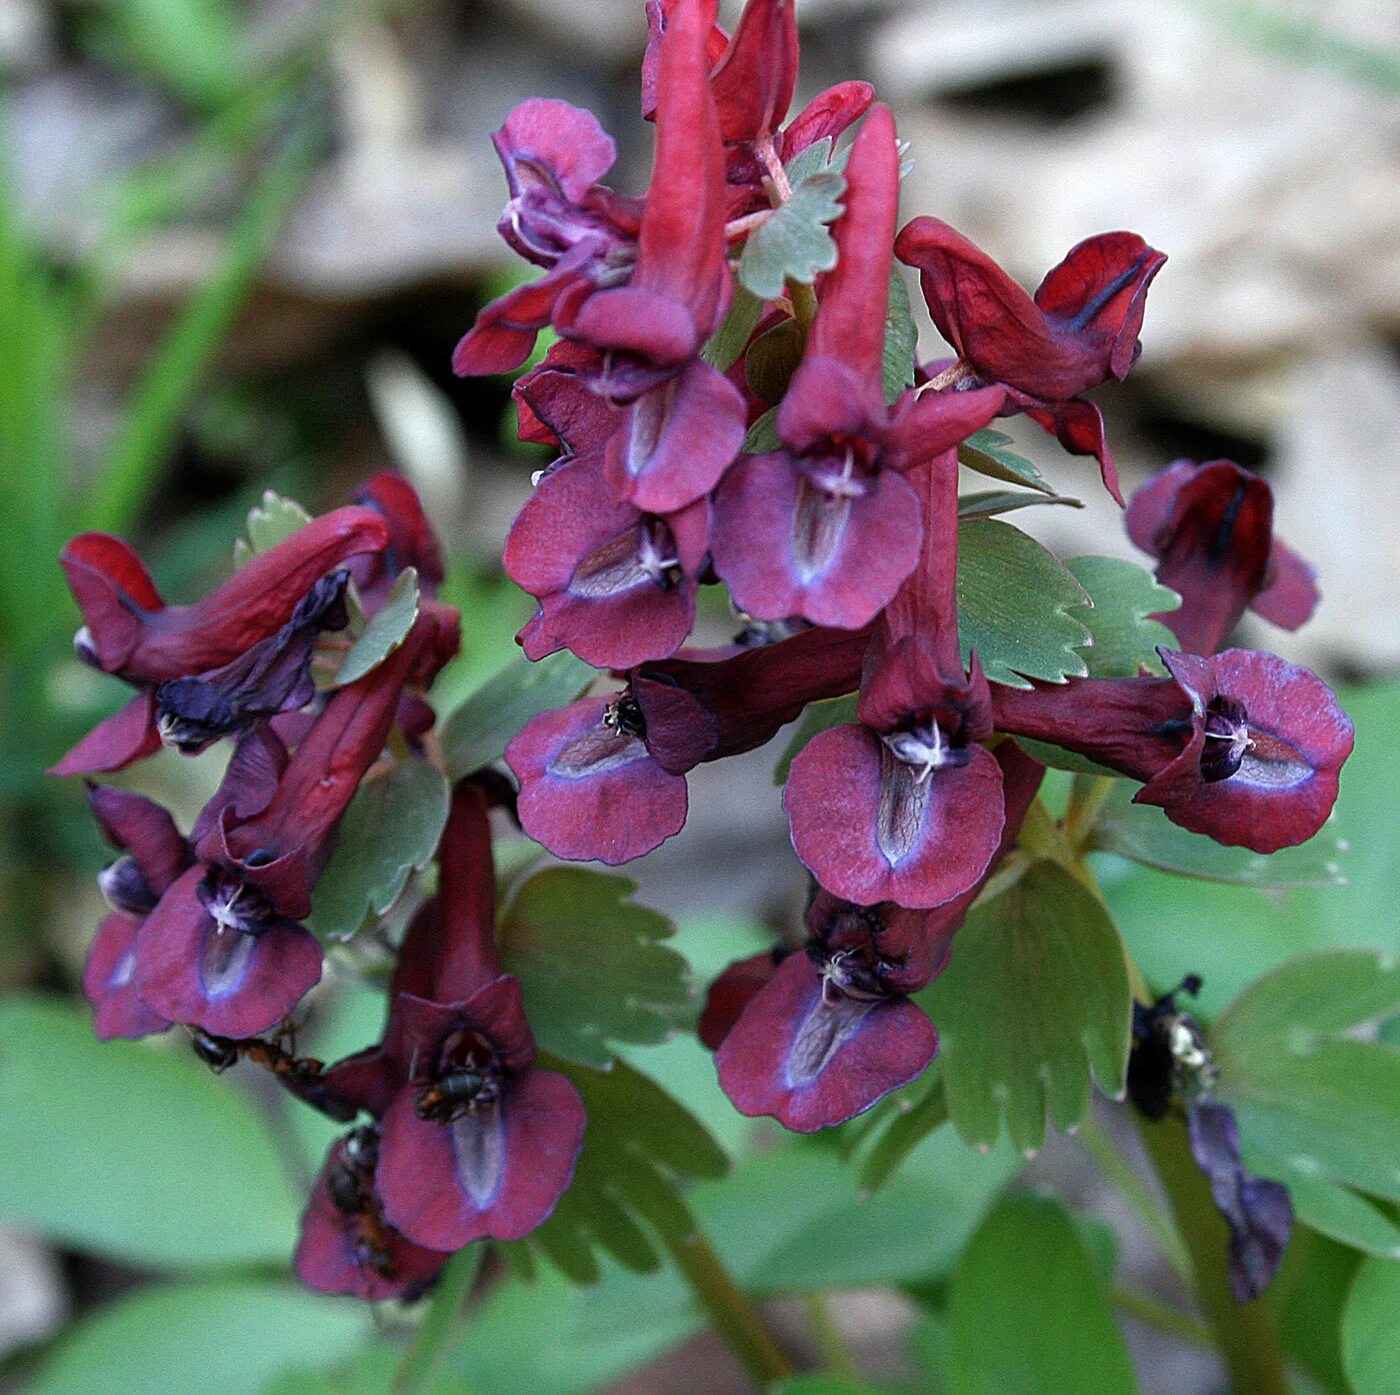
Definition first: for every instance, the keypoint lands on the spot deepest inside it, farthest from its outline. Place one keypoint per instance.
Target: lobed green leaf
(794, 242)
(1123, 595)
(986, 452)
(387, 628)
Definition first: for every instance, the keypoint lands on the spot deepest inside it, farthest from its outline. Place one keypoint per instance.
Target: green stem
(1163, 1316)
(1085, 802)
(734, 1317)
(804, 304)
(1246, 1333)
(434, 1332)
(1121, 1174)
(836, 1354)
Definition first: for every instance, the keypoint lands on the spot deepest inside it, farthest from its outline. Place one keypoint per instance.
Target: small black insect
(1169, 1052)
(451, 1096)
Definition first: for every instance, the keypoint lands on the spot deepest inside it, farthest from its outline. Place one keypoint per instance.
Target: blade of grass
(149, 426)
(436, 1329)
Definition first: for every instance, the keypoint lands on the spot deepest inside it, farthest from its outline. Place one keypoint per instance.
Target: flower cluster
(828, 507)
(467, 1138)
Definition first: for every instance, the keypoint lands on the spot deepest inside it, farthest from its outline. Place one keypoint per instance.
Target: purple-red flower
(346, 1246)
(828, 528)
(1080, 328)
(906, 806)
(475, 1140)
(1241, 746)
(1211, 528)
(130, 632)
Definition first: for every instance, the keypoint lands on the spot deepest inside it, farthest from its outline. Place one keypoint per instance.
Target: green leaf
(793, 243)
(1057, 758)
(815, 158)
(476, 733)
(1014, 599)
(724, 346)
(1034, 1004)
(816, 717)
(986, 452)
(211, 1337)
(1336, 1211)
(763, 434)
(1370, 1334)
(388, 627)
(391, 828)
(1308, 997)
(638, 1144)
(907, 1128)
(593, 966)
(1145, 834)
(831, 1385)
(901, 339)
(108, 1147)
(274, 521)
(991, 502)
(772, 360)
(1124, 594)
(1026, 1311)
(416, 1370)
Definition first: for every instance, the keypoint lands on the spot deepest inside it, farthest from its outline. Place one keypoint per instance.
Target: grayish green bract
(816, 717)
(593, 966)
(763, 434)
(203, 1337)
(1014, 599)
(478, 730)
(391, 828)
(794, 242)
(724, 346)
(1316, 1109)
(986, 452)
(388, 627)
(772, 360)
(1145, 834)
(639, 1142)
(274, 521)
(901, 339)
(988, 503)
(105, 1143)
(1124, 595)
(1027, 1312)
(1033, 1007)
(1370, 1334)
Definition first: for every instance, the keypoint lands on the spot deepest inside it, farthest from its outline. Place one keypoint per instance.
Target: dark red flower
(1242, 746)
(346, 1246)
(1211, 528)
(475, 1140)
(828, 528)
(560, 217)
(615, 585)
(906, 806)
(412, 542)
(1080, 328)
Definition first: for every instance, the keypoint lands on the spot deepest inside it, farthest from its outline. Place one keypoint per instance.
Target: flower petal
(109, 983)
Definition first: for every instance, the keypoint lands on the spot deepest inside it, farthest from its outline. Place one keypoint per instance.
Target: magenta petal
(827, 398)
(109, 983)
(632, 320)
(827, 115)
(335, 1253)
(812, 1060)
(1291, 595)
(786, 548)
(869, 831)
(127, 735)
(589, 791)
(677, 440)
(547, 140)
(230, 983)
(497, 1172)
(933, 422)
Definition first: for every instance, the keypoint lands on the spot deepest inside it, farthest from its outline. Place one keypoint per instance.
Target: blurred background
(238, 242)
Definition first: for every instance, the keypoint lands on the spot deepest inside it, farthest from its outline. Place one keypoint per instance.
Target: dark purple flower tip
(195, 964)
(130, 734)
(345, 1244)
(1259, 1212)
(676, 440)
(497, 1170)
(1268, 740)
(904, 818)
(589, 788)
(678, 730)
(130, 632)
(1081, 328)
(805, 536)
(141, 827)
(412, 541)
(733, 991)
(272, 677)
(616, 586)
(109, 983)
(812, 1052)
